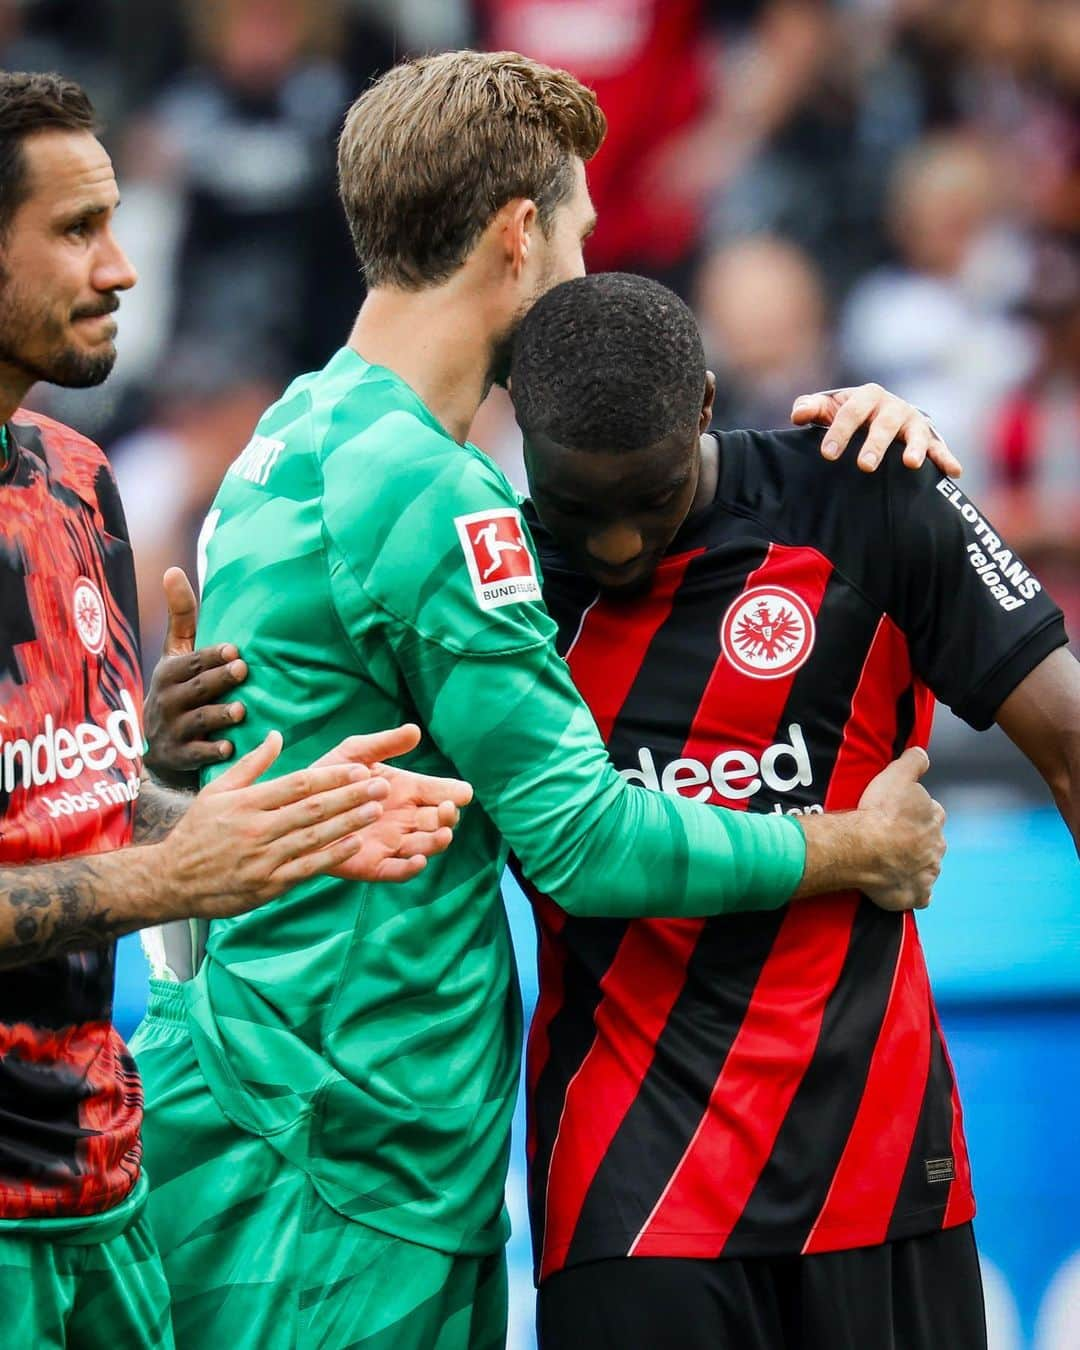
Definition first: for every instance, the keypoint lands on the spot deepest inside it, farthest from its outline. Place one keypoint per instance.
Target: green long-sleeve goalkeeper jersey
(372, 571)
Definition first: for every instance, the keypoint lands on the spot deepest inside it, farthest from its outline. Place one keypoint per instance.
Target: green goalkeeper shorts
(255, 1258)
(84, 1286)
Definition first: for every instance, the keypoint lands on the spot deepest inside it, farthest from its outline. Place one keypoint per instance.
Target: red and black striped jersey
(768, 1083)
(70, 764)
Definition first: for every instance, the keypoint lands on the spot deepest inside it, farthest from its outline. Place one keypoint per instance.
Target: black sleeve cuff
(979, 707)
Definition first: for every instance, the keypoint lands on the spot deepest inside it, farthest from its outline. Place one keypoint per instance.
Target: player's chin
(84, 365)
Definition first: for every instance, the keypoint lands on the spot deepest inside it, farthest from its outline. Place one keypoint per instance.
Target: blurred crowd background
(860, 190)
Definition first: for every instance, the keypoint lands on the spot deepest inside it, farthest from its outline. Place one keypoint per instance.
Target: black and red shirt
(70, 763)
(768, 1083)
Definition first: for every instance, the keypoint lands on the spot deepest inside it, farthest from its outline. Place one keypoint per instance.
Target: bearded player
(342, 1078)
(745, 1131)
(90, 849)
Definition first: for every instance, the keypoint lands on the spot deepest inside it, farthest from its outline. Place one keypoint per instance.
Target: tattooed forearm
(53, 908)
(158, 810)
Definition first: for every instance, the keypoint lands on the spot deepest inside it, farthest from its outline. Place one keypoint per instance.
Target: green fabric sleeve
(515, 727)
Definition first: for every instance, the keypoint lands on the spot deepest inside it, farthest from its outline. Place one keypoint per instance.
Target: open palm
(418, 812)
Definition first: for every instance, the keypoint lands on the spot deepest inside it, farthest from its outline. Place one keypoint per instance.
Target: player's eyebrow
(88, 211)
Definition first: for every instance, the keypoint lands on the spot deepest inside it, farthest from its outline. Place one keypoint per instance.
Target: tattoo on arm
(53, 908)
(158, 809)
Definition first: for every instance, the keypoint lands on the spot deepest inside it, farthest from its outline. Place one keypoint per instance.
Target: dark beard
(65, 366)
(74, 370)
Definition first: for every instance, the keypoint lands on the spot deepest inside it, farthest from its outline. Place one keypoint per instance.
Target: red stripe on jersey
(718, 1171)
(739, 1126)
(925, 704)
(871, 1168)
(551, 968)
(870, 731)
(639, 990)
(961, 1205)
(867, 1180)
(611, 643)
(736, 708)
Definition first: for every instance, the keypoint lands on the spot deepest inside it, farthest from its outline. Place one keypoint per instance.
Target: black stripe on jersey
(905, 720)
(570, 1034)
(39, 1117)
(796, 1179)
(680, 659)
(933, 1139)
(690, 1052)
(63, 991)
(567, 596)
(18, 622)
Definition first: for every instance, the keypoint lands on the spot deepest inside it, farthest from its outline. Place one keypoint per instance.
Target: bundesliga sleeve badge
(500, 562)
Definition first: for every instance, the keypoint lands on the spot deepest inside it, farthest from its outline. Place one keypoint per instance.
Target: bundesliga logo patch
(88, 610)
(500, 562)
(767, 632)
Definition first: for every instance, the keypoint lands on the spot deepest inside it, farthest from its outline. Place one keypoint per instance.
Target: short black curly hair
(610, 361)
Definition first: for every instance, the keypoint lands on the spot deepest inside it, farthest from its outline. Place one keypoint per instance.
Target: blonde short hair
(436, 146)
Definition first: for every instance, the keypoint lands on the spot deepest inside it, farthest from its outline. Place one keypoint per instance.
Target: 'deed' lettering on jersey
(500, 562)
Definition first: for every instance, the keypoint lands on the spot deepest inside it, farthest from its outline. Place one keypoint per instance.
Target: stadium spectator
(820, 135)
(1035, 467)
(933, 325)
(762, 308)
(249, 134)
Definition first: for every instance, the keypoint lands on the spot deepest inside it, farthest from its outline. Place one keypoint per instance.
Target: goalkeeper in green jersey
(329, 1094)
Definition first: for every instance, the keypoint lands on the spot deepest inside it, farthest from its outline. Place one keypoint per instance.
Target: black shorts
(921, 1293)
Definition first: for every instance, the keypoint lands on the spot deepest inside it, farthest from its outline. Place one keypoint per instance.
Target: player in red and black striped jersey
(745, 1131)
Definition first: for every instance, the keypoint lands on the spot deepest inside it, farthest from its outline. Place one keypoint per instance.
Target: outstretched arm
(64, 906)
(240, 844)
(1042, 717)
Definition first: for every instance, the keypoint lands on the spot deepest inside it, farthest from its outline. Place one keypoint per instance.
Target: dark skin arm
(1042, 717)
